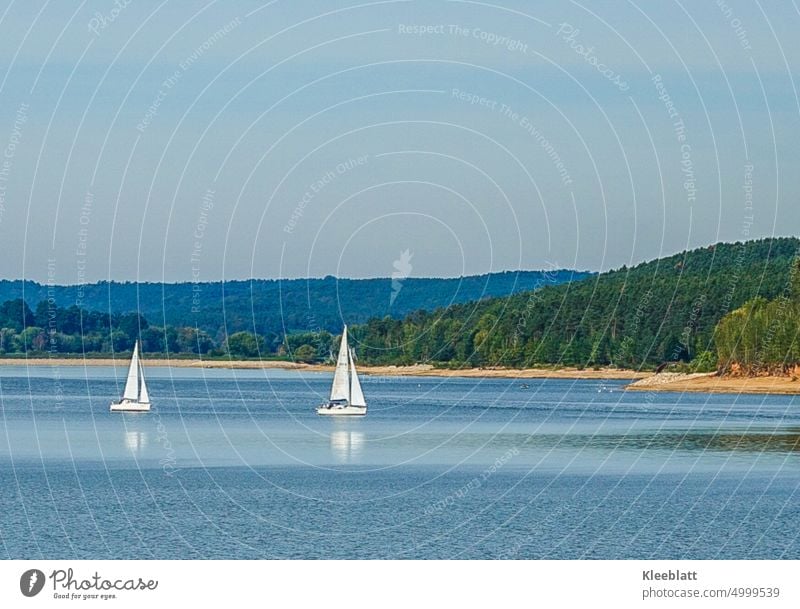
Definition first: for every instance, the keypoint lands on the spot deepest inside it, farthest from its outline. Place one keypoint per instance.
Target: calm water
(237, 465)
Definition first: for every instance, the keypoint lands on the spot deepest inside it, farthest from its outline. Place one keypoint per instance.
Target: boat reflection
(347, 445)
(135, 441)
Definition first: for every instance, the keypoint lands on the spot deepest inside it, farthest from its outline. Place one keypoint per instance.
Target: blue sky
(192, 140)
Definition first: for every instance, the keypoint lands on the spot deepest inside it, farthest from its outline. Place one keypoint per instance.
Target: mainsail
(341, 381)
(132, 384)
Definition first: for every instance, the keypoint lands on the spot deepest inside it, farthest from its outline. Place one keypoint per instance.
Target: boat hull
(342, 410)
(125, 406)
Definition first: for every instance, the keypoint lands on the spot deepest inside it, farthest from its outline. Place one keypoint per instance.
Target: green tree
(305, 353)
(794, 280)
(131, 324)
(759, 337)
(153, 340)
(33, 338)
(9, 342)
(705, 362)
(192, 340)
(16, 314)
(244, 344)
(120, 341)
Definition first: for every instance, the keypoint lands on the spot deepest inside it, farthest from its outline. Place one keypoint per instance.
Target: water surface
(235, 464)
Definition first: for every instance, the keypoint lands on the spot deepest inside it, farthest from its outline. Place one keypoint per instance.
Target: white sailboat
(135, 397)
(346, 395)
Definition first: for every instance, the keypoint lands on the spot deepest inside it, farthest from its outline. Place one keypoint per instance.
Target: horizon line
(627, 265)
(277, 279)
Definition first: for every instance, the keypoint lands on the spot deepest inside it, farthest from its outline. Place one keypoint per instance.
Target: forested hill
(278, 306)
(664, 310)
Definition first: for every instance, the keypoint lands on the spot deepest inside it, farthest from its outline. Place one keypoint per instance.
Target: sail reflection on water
(135, 441)
(347, 445)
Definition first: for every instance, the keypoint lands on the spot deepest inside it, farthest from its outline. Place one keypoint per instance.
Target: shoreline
(414, 370)
(713, 383)
(640, 381)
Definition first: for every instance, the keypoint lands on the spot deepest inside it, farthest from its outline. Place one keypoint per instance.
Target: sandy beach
(415, 370)
(712, 383)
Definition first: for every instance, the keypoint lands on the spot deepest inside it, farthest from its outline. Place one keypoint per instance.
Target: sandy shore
(711, 383)
(643, 381)
(416, 370)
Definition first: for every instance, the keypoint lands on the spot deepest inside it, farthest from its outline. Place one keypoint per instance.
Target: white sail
(144, 397)
(340, 390)
(132, 384)
(356, 395)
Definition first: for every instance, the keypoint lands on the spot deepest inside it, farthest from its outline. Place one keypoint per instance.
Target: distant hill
(666, 310)
(278, 306)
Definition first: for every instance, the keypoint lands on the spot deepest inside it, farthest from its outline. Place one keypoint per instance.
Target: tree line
(274, 307)
(734, 306)
(54, 329)
(70, 330)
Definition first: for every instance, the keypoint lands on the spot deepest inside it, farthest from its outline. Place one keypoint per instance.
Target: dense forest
(54, 329)
(736, 306)
(294, 326)
(64, 330)
(761, 337)
(662, 311)
(274, 307)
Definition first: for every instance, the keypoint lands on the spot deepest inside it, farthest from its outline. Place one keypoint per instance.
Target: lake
(236, 464)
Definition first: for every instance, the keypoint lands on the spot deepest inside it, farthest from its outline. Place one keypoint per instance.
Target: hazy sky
(186, 140)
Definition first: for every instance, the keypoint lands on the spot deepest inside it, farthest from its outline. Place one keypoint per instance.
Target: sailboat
(135, 397)
(346, 395)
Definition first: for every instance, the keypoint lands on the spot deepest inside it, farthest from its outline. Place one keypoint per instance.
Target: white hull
(125, 406)
(337, 410)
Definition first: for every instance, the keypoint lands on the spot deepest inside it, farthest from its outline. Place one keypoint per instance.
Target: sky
(196, 141)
